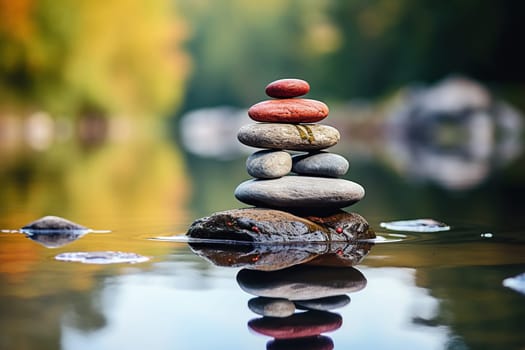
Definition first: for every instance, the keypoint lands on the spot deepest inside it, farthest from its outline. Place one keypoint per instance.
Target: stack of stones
(292, 140)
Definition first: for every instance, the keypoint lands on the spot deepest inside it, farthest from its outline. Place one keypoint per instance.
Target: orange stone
(287, 88)
(290, 110)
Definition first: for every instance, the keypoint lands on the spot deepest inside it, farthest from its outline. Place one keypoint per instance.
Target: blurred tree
(239, 46)
(345, 49)
(388, 44)
(115, 56)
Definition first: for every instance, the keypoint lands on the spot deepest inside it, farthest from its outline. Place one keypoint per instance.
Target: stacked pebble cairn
(292, 140)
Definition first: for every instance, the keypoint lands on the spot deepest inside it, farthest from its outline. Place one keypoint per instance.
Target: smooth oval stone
(300, 192)
(299, 325)
(289, 110)
(301, 282)
(53, 223)
(269, 164)
(318, 342)
(295, 137)
(324, 304)
(271, 307)
(287, 88)
(320, 164)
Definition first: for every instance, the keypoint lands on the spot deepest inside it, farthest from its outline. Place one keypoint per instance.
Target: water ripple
(102, 257)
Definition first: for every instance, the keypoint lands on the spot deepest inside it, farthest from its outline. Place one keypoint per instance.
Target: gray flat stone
(300, 192)
(296, 137)
(271, 307)
(302, 282)
(324, 304)
(320, 164)
(269, 164)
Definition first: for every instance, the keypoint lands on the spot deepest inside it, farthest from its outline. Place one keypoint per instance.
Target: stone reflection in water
(54, 231)
(270, 257)
(297, 303)
(453, 133)
(319, 342)
(297, 279)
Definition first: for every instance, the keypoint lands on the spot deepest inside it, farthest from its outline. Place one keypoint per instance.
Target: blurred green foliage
(345, 49)
(121, 57)
(69, 57)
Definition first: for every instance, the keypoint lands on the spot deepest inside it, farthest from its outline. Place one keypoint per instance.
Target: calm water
(439, 290)
(426, 291)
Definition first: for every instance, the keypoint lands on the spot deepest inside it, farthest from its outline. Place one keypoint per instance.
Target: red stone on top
(289, 110)
(287, 88)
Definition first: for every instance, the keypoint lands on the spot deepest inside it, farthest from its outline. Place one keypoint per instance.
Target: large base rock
(276, 226)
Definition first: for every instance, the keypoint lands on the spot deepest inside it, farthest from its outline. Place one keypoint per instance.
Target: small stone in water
(272, 307)
(102, 257)
(52, 223)
(517, 283)
(418, 225)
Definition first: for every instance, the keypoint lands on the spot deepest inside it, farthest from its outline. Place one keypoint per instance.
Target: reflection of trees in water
(454, 134)
(36, 322)
(487, 310)
(139, 177)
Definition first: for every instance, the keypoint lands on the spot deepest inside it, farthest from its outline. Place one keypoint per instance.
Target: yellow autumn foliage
(114, 56)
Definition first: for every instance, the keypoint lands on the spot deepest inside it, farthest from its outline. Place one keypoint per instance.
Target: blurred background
(122, 115)
(125, 113)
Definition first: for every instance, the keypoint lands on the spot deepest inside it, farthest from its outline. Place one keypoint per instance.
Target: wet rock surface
(257, 225)
(275, 226)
